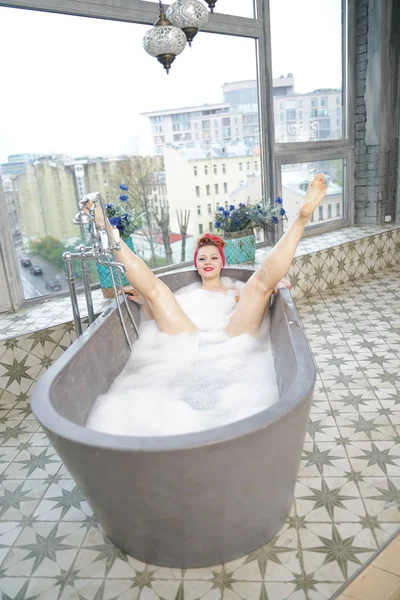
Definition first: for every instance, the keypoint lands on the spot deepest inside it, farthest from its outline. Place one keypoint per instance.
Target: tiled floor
(347, 497)
(58, 310)
(379, 580)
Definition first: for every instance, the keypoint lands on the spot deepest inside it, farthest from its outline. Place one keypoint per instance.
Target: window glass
(80, 133)
(295, 181)
(308, 70)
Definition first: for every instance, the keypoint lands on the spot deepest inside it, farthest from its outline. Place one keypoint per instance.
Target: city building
(141, 243)
(298, 117)
(202, 180)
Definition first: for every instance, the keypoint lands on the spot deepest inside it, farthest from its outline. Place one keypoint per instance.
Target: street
(35, 285)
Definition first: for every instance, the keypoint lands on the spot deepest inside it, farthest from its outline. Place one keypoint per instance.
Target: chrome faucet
(101, 250)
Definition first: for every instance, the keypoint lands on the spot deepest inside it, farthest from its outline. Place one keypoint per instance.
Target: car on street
(53, 286)
(36, 270)
(25, 262)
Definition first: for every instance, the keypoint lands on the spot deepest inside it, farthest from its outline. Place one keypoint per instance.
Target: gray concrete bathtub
(186, 500)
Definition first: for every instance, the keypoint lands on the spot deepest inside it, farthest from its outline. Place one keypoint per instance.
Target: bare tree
(136, 173)
(183, 222)
(163, 223)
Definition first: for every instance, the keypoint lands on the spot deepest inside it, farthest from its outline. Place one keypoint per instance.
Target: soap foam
(181, 384)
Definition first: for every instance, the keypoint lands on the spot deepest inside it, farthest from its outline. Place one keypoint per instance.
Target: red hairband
(220, 245)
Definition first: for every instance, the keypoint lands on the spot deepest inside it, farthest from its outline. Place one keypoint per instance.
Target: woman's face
(209, 262)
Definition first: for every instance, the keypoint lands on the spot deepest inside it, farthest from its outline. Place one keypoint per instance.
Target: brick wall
(376, 110)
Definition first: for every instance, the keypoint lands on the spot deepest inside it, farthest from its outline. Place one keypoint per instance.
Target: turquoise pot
(240, 247)
(104, 272)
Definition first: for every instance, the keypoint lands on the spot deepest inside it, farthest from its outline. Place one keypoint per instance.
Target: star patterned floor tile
(63, 501)
(19, 498)
(35, 462)
(21, 588)
(44, 550)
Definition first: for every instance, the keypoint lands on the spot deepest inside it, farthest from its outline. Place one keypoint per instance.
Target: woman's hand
(132, 294)
(284, 283)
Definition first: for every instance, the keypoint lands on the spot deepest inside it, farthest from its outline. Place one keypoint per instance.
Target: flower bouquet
(237, 224)
(127, 222)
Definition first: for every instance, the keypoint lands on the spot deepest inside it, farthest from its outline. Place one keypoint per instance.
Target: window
(210, 226)
(337, 122)
(337, 99)
(296, 178)
(314, 112)
(215, 169)
(205, 170)
(282, 116)
(312, 218)
(226, 205)
(240, 166)
(300, 114)
(248, 166)
(291, 115)
(208, 192)
(216, 188)
(256, 165)
(224, 169)
(201, 229)
(338, 209)
(321, 90)
(225, 188)
(199, 210)
(209, 210)
(195, 171)
(338, 111)
(197, 191)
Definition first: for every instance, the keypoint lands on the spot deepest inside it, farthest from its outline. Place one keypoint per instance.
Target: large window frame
(273, 155)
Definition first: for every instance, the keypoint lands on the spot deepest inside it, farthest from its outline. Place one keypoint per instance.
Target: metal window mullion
(265, 100)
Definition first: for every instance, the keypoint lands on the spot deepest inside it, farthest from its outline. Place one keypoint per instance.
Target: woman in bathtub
(247, 310)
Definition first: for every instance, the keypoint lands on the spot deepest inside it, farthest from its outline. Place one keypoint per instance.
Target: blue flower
(282, 212)
(227, 213)
(123, 198)
(110, 206)
(279, 200)
(123, 186)
(116, 221)
(258, 205)
(221, 209)
(231, 207)
(217, 224)
(241, 205)
(236, 222)
(275, 220)
(126, 217)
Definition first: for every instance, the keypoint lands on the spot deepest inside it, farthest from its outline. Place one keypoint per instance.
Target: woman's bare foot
(98, 214)
(314, 196)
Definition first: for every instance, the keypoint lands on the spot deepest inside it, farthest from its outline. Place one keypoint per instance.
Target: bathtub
(190, 500)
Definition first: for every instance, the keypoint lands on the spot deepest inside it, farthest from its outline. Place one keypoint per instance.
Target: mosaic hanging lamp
(188, 15)
(211, 4)
(164, 41)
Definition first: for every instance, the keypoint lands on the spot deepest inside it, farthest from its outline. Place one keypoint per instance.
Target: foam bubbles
(181, 384)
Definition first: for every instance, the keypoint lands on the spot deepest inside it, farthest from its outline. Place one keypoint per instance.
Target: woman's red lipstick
(209, 268)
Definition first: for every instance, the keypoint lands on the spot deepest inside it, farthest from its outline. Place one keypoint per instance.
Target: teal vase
(105, 275)
(240, 247)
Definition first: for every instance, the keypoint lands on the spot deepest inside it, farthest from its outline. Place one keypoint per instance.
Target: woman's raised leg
(166, 311)
(254, 299)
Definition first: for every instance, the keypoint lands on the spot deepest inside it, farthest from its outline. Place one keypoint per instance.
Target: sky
(77, 86)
